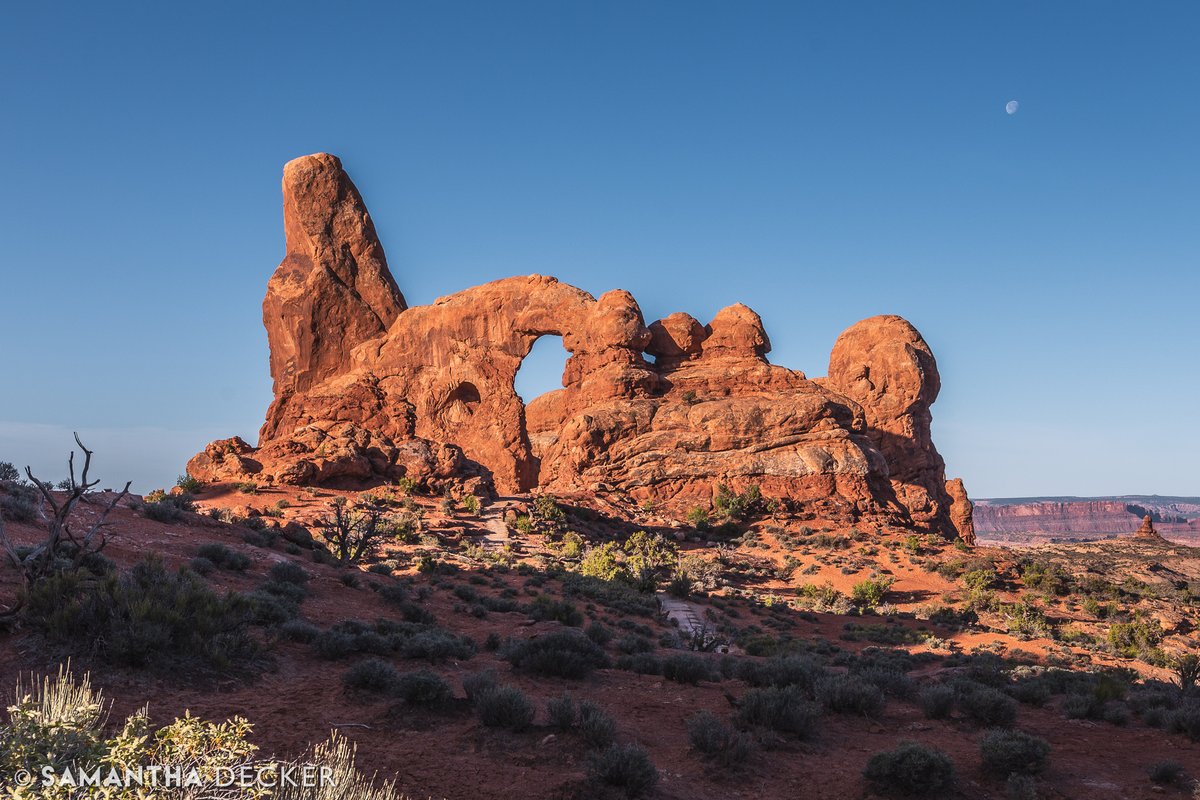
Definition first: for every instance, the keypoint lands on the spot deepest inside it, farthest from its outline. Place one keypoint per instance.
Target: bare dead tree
(62, 541)
(354, 531)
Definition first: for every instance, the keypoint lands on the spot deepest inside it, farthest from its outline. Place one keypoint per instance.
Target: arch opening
(541, 371)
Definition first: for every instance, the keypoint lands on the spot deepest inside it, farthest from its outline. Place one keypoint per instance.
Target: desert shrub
(371, 675)
(168, 509)
(937, 701)
(911, 770)
(423, 688)
(684, 668)
(504, 707)
(803, 671)
(1136, 639)
(564, 654)
(478, 683)
(545, 608)
(738, 506)
(1185, 720)
(1020, 787)
(626, 767)
(699, 519)
(64, 719)
(189, 484)
(292, 592)
(268, 608)
(617, 596)
(718, 741)
(641, 663)
(561, 712)
(147, 617)
(849, 694)
(333, 645)
(986, 706)
(297, 630)
(1005, 750)
(1115, 713)
(1080, 706)
(783, 709)
(202, 566)
(437, 645)
(647, 553)
(890, 681)
(8, 471)
(223, 557)
(870, 593)
(288, 572)
(349, 580)
(634, 644)
(1167, 773)
(19, 504)
(598, 633)
(1031, 691)
(603, 563)
(596, 727)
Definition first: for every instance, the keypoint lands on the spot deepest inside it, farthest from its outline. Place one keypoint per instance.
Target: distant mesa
(369, 390)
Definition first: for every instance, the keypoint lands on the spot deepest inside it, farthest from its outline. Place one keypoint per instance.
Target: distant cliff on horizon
(1033, 519)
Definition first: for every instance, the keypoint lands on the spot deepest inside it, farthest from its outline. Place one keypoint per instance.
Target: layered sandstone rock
(962, 511)
(367, 390)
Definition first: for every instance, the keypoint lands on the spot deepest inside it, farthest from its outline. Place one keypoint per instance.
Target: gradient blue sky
(819, 162)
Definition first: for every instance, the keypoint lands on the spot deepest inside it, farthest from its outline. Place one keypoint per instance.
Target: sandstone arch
(368, 389)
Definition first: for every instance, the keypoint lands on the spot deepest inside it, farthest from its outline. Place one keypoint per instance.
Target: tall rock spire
(333, 290)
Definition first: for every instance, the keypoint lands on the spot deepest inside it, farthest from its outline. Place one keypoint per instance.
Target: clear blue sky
(819, 162)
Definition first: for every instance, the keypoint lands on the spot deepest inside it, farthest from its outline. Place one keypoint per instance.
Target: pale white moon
(1011, 107)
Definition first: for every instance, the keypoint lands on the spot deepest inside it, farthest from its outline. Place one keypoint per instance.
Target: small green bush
(288, 572)
(371, 675)
(626, 767)
(870, 593)
(423, 688)
(937, 701)
(545, 608)
(683, 668)
(477, 683)
(202, 566)
(596, 727)
(717, 741)
(1005, 751)
(561, 712)
(564, 654)
(438, 645)
(1167, 773)
(783, 709)
(911, 770)
(223, 557)
(504, 707)
(986, 706)
(849, 694)
(297, 630)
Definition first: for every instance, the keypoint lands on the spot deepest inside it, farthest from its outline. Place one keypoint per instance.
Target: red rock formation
(367, 390)
(885, 365)
(1146, 529)
(333, 290)
(962, 514)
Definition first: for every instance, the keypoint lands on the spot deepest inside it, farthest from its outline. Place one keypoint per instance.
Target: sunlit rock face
(369, 390)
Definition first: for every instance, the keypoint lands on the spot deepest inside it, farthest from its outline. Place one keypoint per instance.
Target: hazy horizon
(819, 164)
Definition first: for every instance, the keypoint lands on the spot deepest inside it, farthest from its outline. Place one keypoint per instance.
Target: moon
(1011, 107)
